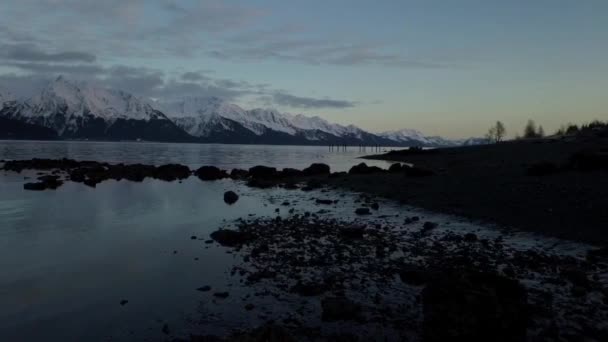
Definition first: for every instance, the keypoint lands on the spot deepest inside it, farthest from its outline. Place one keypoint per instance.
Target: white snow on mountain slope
(202, 111)
(62, 105)
(78, 99)
(403, 135)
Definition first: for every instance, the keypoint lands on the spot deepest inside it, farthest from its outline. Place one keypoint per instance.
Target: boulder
(363, 169)
(38, 186)
(171, 172)
(230, 238)
(289, 172)
(239, 174)
(209, 173)
(262, 172)
(317, 169)
(230, 197)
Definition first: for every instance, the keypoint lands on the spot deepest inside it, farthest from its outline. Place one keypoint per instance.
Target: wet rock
(263, 172)
(289, 172)
(221, 295)
(340, 309)
(316, 169)
(230, 238)
(239, 174)
(205, 288)
(38, 186)
(171, 172)
(363, 169)
(324, 201)
(230, 197)
(210, 173)
(474, 306)
(362, 211)
(46, 182)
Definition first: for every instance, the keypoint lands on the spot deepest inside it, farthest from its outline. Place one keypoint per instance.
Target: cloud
(52, 68)
(293, 101)
(193, 76)
(32, 53)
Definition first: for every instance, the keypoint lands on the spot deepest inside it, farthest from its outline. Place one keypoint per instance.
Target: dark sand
(491, 183)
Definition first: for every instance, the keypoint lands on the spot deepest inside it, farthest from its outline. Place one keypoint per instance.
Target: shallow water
(69, 257)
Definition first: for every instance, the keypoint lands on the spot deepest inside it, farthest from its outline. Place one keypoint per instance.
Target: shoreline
(527, 186)
(339, 269)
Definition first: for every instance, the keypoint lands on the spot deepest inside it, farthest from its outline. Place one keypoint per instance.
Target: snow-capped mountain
(84, 111)
(205, 118)
(77, 110)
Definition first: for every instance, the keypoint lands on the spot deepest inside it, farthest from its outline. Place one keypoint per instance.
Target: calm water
(193, 155)
(68, 257)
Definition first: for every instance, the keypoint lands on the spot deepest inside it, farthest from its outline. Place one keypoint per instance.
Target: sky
(449, 68)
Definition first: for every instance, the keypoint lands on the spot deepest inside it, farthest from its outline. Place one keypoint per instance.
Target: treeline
(497, 132)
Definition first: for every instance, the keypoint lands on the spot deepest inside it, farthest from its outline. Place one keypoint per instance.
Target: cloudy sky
(444, 67)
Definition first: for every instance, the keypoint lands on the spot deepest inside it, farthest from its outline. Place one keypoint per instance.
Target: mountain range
(66, 109)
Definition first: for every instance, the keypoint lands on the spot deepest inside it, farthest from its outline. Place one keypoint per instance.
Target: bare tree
(497, 132)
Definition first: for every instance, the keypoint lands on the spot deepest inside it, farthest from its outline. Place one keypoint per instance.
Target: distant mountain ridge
(76, 110)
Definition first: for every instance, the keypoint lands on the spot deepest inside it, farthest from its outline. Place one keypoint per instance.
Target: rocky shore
(372, 278)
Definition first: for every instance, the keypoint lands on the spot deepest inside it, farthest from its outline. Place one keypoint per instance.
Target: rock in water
(230, 197)
(262, 172)
(363, 169)
(317, 169)
(208, 173)
(230, 238)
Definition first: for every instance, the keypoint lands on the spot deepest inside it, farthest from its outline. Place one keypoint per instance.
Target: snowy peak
(79, 99)
(403, 135)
